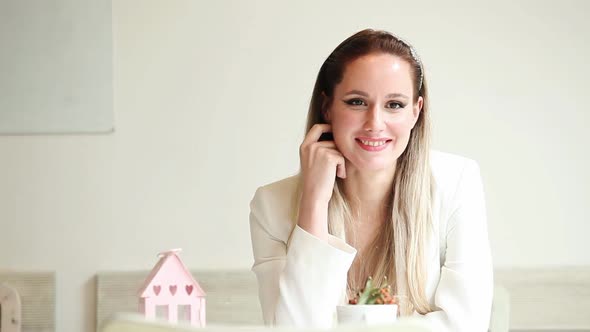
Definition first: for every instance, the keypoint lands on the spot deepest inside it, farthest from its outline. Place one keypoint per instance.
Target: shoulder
(273, 206)
(278, 192)
(448, 169)
(456, 178)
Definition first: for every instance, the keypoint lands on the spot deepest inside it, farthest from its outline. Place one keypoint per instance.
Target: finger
(313, 149)
(331, 152)
(325, 144)
(337, 159)
(341, 171)
(315, 132)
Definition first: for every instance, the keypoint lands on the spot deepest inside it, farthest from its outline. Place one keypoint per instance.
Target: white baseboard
(556, 299)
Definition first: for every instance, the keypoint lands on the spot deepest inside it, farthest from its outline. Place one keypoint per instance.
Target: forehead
(376, 74)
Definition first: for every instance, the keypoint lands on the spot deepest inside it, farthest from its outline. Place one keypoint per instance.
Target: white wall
(210, 100)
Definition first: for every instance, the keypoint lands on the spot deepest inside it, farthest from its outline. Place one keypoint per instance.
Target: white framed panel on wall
(56, 67)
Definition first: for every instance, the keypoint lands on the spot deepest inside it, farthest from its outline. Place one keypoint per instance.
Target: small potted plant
(374, 304)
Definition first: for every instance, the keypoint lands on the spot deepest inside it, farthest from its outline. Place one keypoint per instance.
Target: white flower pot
(368, 314)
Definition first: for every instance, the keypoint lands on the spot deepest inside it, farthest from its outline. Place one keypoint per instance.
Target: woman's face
(372, 112)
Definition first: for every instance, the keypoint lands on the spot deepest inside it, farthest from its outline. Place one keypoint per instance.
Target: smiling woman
(362, 107)
(375, 202)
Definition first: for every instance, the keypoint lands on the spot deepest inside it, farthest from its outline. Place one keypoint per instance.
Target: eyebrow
(364, 94)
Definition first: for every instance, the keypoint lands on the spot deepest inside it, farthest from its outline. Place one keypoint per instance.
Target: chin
(374, 166)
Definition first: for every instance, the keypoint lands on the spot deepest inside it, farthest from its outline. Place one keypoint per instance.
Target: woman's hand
(321, 162)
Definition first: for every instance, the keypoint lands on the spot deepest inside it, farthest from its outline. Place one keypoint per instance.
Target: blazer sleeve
(465, 289)
(301, 282)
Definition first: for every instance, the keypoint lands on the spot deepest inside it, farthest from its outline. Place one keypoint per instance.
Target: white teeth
(373, 143)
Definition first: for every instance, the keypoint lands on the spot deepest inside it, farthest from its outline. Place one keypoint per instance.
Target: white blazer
(302, 280)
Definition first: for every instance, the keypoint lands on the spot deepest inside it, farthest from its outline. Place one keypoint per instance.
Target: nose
(374, 120)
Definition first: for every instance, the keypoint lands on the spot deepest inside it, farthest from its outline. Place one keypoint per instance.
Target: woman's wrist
(313, 218)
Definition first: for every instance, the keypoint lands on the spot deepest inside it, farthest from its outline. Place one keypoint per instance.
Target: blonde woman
(373, 200)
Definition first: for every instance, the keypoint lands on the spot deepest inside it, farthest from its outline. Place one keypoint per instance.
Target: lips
(373, 144)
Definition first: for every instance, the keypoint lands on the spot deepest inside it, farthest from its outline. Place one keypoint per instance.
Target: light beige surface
(37, 296)
(538, 299)
(134, 323)
(210, 99)
(549, 299)
(57, 72)
(10, 309)
(232, 295)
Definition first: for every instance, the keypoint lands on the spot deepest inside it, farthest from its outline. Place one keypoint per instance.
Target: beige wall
(210, 100)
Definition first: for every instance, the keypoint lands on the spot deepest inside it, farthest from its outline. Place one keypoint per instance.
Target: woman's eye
(355, 102)
(395, 105)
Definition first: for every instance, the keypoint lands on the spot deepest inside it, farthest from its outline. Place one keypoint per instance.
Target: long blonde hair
(399, 248)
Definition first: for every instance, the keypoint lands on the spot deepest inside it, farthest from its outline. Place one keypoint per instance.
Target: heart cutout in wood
(157, 289)
(189, 289)
(172, 289)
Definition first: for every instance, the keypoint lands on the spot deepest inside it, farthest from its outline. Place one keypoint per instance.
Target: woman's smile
(373, 144)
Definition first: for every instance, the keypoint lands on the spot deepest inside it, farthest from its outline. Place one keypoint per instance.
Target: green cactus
(372, 294)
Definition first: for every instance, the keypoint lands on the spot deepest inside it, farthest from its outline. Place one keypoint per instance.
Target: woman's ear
(326, 115)
(417, 108)
(325, 108)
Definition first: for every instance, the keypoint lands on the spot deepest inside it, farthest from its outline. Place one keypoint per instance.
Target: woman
(373, 202)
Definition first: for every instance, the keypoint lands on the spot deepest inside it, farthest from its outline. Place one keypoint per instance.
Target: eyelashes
(354, 102)
(357, 102)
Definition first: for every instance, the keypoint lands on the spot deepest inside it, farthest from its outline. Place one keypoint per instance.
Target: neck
(369, 193)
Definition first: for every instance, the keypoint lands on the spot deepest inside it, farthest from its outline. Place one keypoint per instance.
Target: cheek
(400, 125)
(344, 123)
(402, 122)
(343, 127)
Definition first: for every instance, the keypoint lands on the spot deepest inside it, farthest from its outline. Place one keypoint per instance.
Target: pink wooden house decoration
(171, 284)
